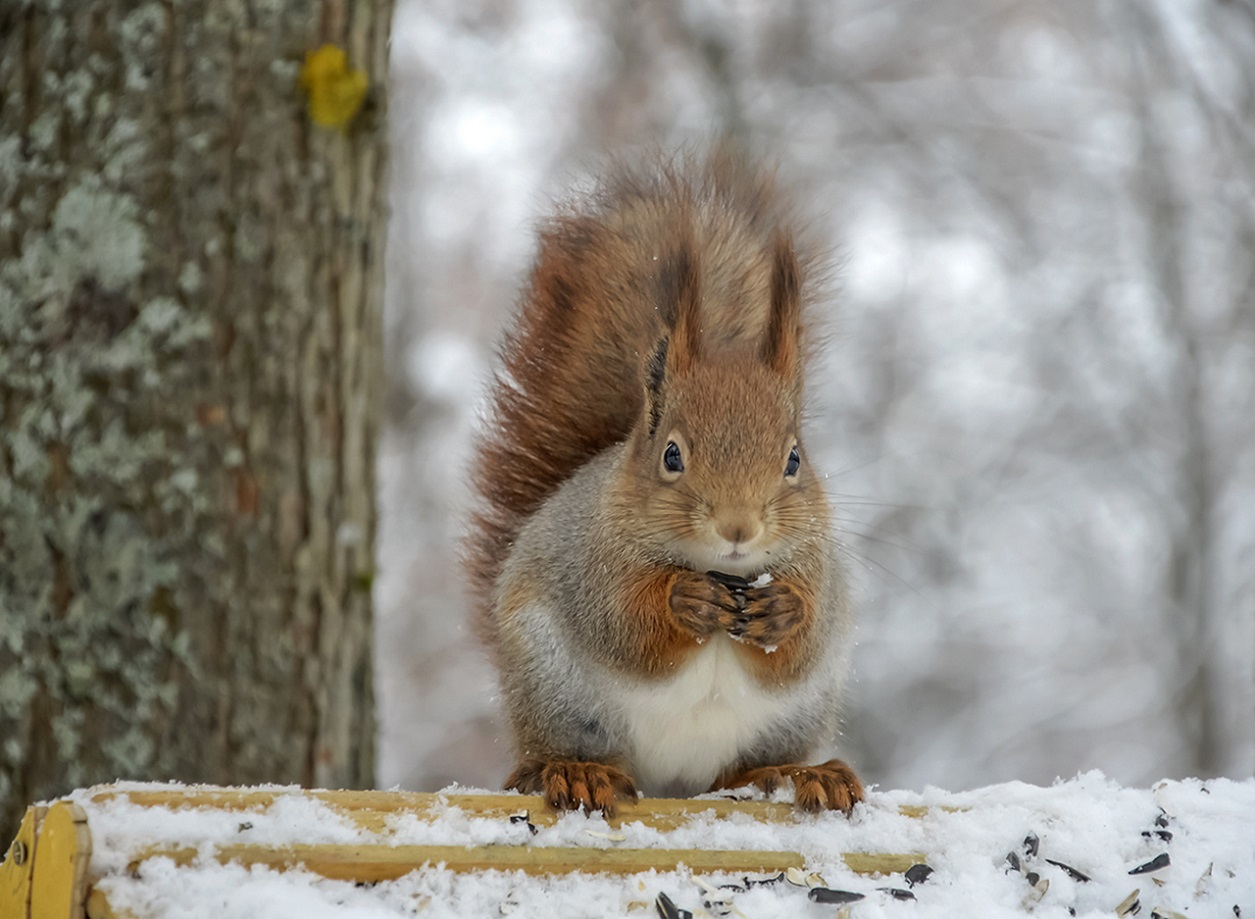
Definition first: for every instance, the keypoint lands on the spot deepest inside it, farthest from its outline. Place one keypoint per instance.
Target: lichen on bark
(189, 295)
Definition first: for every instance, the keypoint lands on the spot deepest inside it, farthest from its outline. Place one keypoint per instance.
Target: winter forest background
(1038, 405)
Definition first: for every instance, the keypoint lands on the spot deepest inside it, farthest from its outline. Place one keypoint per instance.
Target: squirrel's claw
(828, 786)
(568, 785)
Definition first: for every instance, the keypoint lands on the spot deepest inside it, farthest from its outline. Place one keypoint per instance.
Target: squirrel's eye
(672, 461)
(795, 460)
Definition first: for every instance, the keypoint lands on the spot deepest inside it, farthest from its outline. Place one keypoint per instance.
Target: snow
(1089, 823)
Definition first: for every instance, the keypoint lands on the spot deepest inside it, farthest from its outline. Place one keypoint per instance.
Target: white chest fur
(687, 730)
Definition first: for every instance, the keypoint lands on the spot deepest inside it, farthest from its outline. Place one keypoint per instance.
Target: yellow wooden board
(16, 869)
(46, 872)
(63, 852)
(366, 864)
(371, 810)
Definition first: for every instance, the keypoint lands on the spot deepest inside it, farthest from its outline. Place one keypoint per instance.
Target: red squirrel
(653, 557)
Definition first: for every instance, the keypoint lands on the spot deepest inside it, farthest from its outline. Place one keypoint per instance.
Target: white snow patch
(1089, 823)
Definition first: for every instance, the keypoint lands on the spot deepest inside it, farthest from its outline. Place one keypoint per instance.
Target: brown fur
(829, 786)
(573, 785)
(666, 310)
(571, 379)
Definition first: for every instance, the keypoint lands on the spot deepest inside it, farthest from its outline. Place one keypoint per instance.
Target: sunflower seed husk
(613, 837)
(1162, 860)
(917, 874)
(827, 895)
(525, 817)
(1162, 912)
(1031, 842)
(668, 910)
(1070, 871)
(1204, 881)
(897, 893)
(1130, 905)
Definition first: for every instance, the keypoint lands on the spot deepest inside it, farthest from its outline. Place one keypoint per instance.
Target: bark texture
(189, 375)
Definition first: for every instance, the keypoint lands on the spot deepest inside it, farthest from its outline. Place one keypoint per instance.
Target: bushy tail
(571, 381)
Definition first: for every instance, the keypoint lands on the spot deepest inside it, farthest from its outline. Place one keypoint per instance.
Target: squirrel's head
(718, 465)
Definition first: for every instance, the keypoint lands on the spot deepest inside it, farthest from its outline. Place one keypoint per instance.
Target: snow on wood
(1085, 847)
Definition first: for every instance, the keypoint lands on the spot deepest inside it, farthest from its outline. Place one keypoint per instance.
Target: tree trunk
(189, 380)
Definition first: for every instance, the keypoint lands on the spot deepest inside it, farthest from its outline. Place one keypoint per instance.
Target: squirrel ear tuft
(682, 283)
(784, 323)
(655, 371)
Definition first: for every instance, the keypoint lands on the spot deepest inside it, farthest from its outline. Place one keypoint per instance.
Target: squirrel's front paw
(573, 785)
(704, 605)
(829, 786)
(772, 613)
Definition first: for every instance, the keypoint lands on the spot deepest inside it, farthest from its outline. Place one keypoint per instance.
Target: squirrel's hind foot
(828, 786)
(571, 785)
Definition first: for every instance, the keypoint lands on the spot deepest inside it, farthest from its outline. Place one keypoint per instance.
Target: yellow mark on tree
(335, 91)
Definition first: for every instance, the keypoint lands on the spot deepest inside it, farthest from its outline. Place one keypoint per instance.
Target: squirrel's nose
(738, 526)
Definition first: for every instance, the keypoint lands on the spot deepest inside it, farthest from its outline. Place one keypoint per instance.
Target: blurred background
(1038, 405)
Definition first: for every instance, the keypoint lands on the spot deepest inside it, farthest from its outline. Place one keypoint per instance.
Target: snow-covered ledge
(1083, 847)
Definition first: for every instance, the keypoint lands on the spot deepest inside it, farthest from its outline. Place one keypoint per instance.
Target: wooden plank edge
(19, 865)
(370, 809)
(99, 907)
(62, 856)
(367, 863)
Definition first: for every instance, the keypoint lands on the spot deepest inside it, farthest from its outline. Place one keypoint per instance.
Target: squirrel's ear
(784, 324)
(682, 284)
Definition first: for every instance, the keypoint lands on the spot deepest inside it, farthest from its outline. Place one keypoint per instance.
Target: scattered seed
(766, 881)
(815, 879)
(731, 581)
(1130, 905)
(245, 826)
(507, 907)
(1014, 861)
(1162, 819)
(1070, 871)
(1038, 891)
(897, 893)
(525, 817)
(1162, 912)
(917, 874)
(1159, 861)
(796, 877)
(827, 895)
(715, 899)
(1031, 843)
(844, 913)
(668, 910)
(1165, 835)
(613, 837)
(1032, 877)
(1203, 882)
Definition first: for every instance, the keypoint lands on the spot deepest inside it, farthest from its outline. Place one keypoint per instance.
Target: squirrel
(652, 557)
